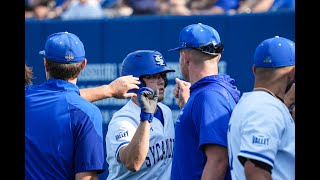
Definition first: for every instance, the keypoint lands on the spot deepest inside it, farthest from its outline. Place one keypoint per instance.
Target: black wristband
(146, 116)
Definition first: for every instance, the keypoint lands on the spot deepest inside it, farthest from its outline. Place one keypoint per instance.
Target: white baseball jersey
(261, 128)
(121, 129)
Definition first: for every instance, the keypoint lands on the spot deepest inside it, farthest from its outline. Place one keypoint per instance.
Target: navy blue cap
(64, 47)
(275, 52)
(199, 36)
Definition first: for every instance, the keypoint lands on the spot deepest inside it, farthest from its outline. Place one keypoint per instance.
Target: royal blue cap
(275, 52)
(64, 47)
(199, 36)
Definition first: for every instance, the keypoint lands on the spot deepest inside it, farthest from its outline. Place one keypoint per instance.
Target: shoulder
(209, 95)
(128, 113)
(261, 106)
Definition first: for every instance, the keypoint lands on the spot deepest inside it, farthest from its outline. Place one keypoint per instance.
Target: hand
(121, 85)
(148, 99)
(181, 92)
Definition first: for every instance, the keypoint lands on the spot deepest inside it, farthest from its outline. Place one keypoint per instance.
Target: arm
(134, 154)
(253, 172)
(117, 88)
(90, 175)
(181, 92)
(217, 162)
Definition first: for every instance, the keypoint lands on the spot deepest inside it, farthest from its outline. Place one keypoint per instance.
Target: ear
(84, 63)
(292, 73)
(218, 57)
(45, 64)
(254, 69)
(186, 57)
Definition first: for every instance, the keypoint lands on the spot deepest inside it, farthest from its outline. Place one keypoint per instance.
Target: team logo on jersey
(159, 60)
(121, 135)
(260, 140)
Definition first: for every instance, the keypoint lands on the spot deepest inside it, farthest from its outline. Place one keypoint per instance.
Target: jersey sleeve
(211, 117)
(261, 132)
(120, 132)
(88, 145)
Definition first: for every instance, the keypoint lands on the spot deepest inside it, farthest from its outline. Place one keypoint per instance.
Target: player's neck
(197, 74)
(268, 91)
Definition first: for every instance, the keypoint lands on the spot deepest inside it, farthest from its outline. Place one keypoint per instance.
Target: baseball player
(140, 137)
(200, 147)
(261, 134)
(63, 131)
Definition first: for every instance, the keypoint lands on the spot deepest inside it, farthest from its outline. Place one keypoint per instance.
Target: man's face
(183, 66)
(156, 81)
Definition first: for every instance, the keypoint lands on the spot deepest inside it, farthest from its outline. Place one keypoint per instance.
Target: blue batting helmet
(144, 62)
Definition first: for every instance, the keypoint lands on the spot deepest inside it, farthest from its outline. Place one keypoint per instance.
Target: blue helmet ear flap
(141, 85)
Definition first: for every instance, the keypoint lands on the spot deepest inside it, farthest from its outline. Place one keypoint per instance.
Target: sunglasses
(207, 48)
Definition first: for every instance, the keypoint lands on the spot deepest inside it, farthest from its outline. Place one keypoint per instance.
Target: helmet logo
(159, 60)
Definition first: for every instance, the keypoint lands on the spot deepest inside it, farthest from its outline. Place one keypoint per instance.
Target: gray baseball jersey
(121, 130)
(261, 128)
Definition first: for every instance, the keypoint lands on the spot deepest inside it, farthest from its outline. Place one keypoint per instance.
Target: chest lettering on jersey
(160, 151)
(121, 135)
(260, 140)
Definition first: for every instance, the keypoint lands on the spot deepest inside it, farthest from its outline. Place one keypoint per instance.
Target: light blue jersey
(121, 130)
(261, 128)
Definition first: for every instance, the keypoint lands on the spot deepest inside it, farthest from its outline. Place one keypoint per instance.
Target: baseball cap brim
(175, 49)
(178, 48)
(42, 52)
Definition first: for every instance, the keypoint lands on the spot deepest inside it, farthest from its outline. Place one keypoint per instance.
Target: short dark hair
(63, 71)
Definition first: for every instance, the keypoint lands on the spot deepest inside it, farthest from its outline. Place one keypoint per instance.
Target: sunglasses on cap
(209, 48)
